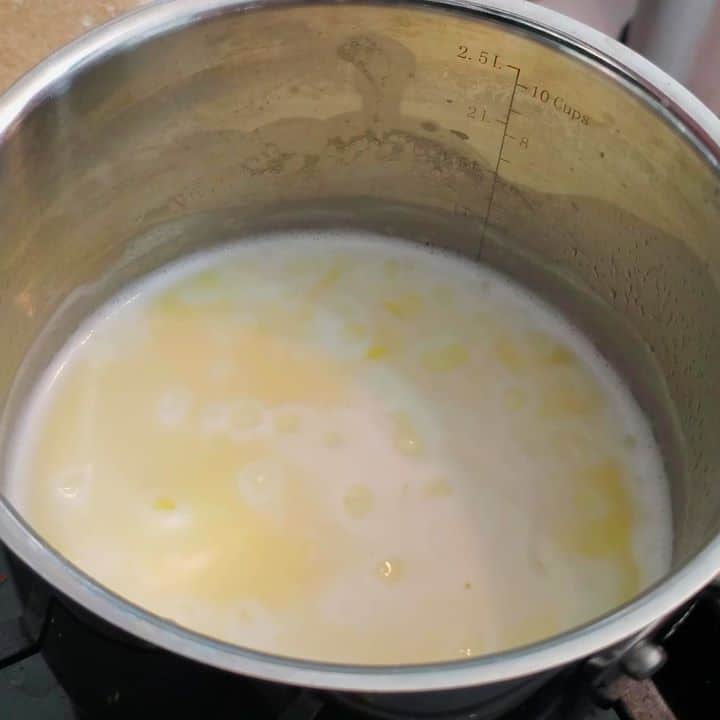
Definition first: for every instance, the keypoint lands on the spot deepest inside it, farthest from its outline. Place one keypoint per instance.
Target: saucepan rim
(667, 98)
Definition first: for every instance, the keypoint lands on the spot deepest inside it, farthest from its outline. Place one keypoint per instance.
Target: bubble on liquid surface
(173, 407)
(215, 419)
(244, 415)
(73, 482)
(262, 485)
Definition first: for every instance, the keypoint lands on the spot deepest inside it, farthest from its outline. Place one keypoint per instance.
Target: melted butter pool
(345, 448)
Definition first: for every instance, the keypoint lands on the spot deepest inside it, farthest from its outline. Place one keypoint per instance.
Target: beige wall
(705, 78)
(610, 16)
(32, 29)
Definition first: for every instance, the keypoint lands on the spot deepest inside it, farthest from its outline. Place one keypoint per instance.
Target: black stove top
(85, 669)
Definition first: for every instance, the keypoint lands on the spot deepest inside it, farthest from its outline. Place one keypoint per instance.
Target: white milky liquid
(339, 447)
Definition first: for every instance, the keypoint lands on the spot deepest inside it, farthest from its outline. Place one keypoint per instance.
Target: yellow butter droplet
(333, 439)
(509, 354)
(515, 398)
(328, 279)
(391, 570)
(169, 304)
(561, 355)
(359, 501)
(164, 504)
(207, 280)
(570, 396)
(377, 351)
(404, 307)
(409, 445)
(439, 487)
(550, 351)
(445, 358)
(407, 440)
(287, 423)
(603, 522)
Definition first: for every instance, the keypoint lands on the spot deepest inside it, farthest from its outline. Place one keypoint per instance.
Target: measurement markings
(500, 157)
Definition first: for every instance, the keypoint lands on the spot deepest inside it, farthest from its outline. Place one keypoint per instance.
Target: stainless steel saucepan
(501, 130)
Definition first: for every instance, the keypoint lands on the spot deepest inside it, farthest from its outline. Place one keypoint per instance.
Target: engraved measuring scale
(499, 130)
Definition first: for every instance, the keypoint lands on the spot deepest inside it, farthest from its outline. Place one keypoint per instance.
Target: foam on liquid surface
(344, 448)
